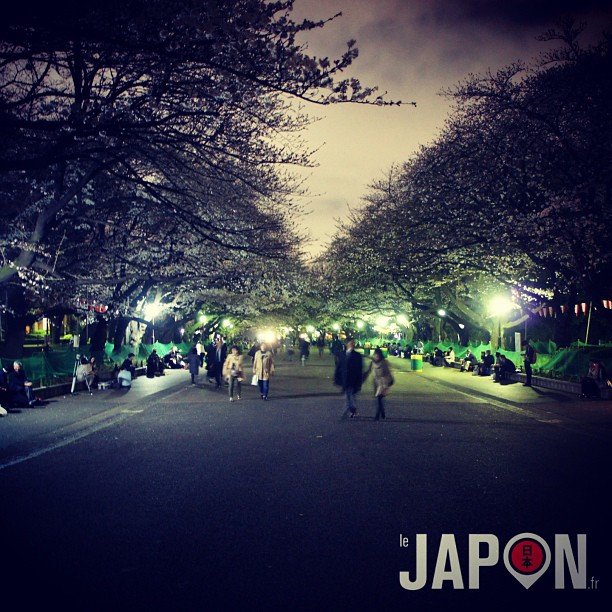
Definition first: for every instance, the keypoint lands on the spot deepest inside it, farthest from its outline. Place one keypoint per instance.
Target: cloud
(413, 49)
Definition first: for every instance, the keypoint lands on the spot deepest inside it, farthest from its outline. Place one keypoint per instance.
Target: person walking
(304, 350)
(194, 364)
(349, 376)
(233, 371)
(383, 379)
(219, 357)
(263, 367)
(321, 344)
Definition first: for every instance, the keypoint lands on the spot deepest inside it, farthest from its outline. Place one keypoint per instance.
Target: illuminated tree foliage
(514, 195)
(143, 143)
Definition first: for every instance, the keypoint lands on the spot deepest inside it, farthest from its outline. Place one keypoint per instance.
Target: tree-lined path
(169, 497)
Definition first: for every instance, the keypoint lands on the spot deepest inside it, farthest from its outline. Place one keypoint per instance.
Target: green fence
(46, 367)
(568, 363)
(57, 364)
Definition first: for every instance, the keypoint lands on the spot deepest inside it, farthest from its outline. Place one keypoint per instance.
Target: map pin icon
(527, 557)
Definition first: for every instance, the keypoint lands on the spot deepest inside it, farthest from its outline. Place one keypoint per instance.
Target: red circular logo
(527, 556)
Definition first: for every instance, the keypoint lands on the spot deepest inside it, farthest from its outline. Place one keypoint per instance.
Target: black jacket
(349, 370)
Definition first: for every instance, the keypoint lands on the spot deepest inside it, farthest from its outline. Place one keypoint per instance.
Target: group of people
(16, 391)
(498, 366)
(227, 367)
(395, 349)
(350, 376)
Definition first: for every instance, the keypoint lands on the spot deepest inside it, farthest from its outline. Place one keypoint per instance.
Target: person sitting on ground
(20, 388)
(124, 378)
(449, 357)
(485, 366)
(496, 364)
(129, 365)
(85, 372)
(174, 360)
(94, 370)
(468, 362)
(503, 369)
(595, 380)
(438, 357)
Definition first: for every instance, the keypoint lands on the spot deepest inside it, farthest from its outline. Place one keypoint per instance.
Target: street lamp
(151, 311)
(360, 325)
(500, 306)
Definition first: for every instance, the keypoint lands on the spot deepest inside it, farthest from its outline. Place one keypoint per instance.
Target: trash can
(416, 363)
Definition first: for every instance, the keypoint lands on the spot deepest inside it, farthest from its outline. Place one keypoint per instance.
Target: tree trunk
(99, 335)
(562, 329)
(120, 325)
(15, 320)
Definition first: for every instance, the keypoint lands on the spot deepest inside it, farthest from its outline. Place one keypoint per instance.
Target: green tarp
(44, 368)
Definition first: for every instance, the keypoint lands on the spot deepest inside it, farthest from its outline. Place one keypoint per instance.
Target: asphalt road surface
(169, 497)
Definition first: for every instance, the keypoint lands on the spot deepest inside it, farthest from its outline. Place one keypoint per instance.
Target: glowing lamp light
(442, 312)
(382, 321)
(402, 320)
(336, 326)
(152, 310)
(203, 319)
(500, 305)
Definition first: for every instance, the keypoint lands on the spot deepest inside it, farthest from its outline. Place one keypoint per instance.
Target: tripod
(77, 363)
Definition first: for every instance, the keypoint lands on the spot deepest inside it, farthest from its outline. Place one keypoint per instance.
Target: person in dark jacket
(20, 388)
(504, 369)
(304, 350)
(219, 357)
(349, 376)
(154, 364)
(128, 365)
(194, 364)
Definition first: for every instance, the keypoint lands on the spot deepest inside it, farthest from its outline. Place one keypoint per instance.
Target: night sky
(412, 49)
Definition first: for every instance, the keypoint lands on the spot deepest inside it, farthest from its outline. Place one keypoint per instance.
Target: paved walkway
(292, 380)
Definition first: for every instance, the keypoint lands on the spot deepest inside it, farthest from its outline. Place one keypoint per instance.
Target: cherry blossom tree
(128, 127)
